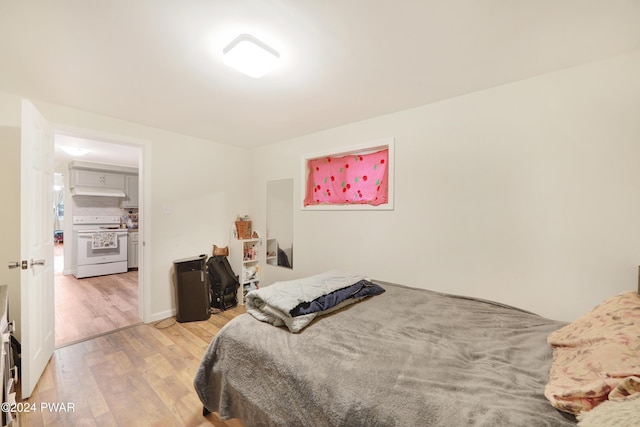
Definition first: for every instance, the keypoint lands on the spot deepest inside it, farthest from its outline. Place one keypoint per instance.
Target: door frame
(144, 209)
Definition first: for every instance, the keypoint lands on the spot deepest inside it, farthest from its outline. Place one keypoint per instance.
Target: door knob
(22, 264)
(36, 262)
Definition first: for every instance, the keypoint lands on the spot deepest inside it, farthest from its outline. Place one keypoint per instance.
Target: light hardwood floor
(138, 376)
(92, 306)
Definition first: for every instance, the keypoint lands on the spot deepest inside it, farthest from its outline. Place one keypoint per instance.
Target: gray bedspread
(408, 357)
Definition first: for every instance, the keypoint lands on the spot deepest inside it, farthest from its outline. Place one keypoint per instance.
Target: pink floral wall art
(351, 179)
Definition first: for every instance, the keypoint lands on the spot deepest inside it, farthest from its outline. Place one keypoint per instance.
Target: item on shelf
(243, 227)
(249, 273)
(250, 253)
(244, 256)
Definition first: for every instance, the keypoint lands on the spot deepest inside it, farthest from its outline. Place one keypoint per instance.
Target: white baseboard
(162, 315)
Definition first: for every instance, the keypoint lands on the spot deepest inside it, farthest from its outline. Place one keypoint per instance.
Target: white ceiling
(158, 62)
(99, 151)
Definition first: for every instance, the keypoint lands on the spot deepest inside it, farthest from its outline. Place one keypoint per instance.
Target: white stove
(101, 245)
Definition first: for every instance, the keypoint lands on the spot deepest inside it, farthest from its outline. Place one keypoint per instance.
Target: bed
(405, 357)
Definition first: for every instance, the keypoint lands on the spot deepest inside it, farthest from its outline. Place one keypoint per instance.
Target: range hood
(93, 191)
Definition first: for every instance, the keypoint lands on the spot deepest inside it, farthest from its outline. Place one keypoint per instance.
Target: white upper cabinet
(130, 191)
(98, 179)
(89, 178)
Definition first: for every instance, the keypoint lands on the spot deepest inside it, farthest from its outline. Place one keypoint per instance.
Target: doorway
(91, 306)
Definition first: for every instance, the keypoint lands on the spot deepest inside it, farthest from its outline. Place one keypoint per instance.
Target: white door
(36, 246)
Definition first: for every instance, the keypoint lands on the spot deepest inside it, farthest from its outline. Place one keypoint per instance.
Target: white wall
(10, 215)
(527, 193)
(196, 189)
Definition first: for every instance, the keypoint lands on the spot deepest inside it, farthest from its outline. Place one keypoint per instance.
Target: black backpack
(223, 281)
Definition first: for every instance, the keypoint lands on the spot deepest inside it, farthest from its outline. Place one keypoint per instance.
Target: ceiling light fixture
(74, 151)
(250, 56)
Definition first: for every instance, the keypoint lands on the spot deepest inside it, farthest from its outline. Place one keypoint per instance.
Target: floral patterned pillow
(597, 357)
(625, 413)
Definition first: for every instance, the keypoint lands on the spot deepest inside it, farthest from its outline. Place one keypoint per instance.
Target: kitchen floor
(90, 307)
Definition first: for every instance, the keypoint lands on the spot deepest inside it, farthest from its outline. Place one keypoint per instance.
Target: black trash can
(192, 289)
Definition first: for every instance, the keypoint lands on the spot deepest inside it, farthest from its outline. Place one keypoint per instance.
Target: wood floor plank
(159, 365)
(91, 389)
(138, 376)
(94, 305)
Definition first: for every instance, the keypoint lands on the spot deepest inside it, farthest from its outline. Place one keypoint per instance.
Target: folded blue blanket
(274, 303)
(359, 290)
